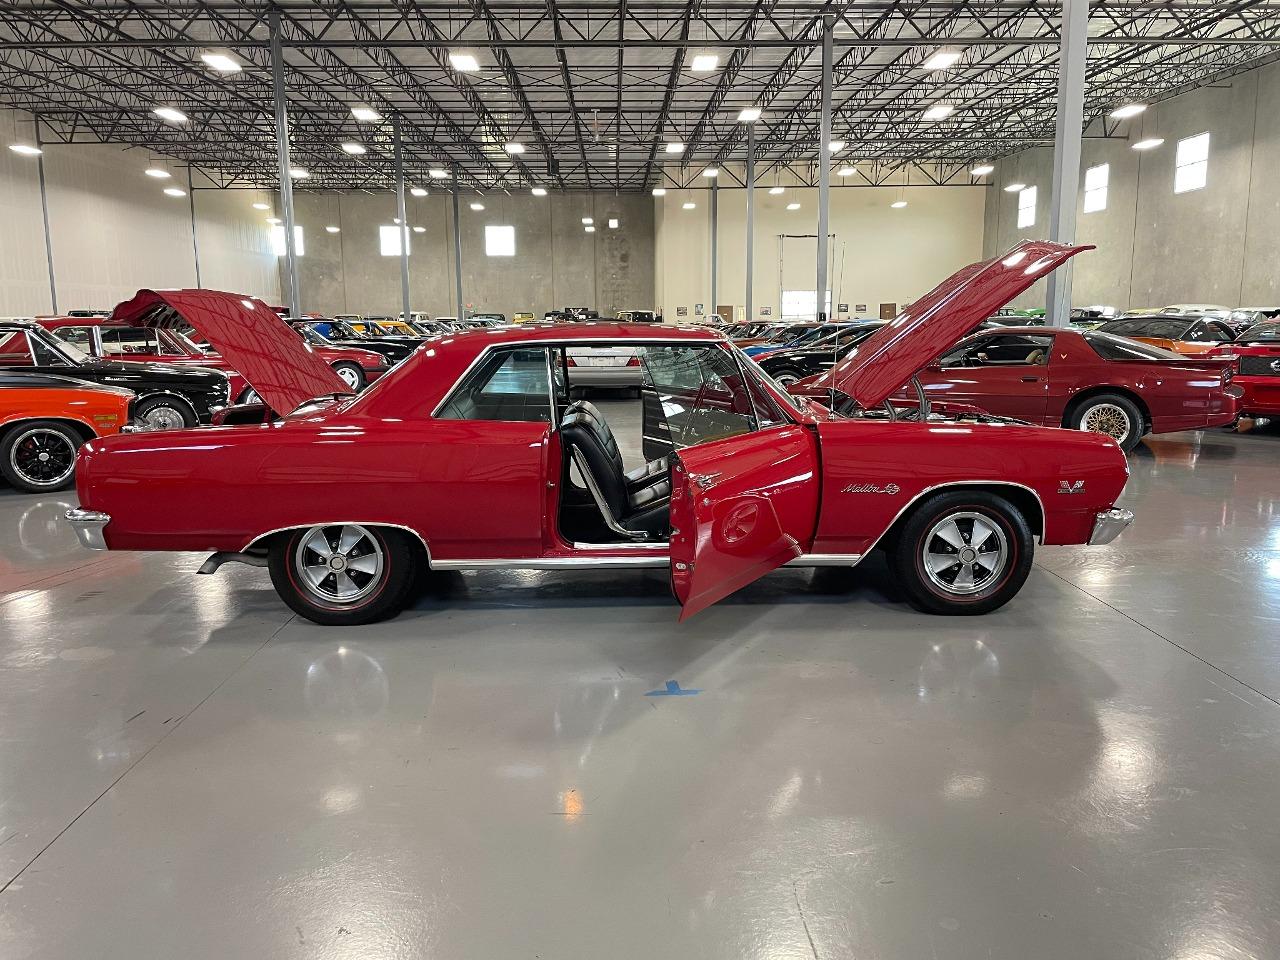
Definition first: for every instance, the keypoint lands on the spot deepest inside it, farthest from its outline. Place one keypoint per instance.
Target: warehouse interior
(574, 755)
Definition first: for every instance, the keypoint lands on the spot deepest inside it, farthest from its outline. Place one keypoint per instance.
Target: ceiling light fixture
(939, 111)
(464, 62)
(613, 223)
(514, 147)
(332, 229)
(539, 191)
(353, 148)
(222, 62)
(941, 60)
(274, 221)
(417, 191)
(477, 207)
(299, 173)
(174, 192)
(160, 173)
(846, 171)
(419, 229)
(675, 146)
(793, 206)
(898, 204)
(1015, 187)
(748, 114)
(26, 149)
(438, 173)
(589, 229)
(711, 172)
(1148, 144)
(688, 205)
(261, 206)
(983, 169)
(365, 114)
(835, 146)
(170, 114)
(777, 191)
(587, 221)
(705, 62)
(1124, 111)
(659, 191)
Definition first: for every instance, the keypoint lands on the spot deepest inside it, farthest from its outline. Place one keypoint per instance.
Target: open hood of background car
(271, 356)
(929, 327)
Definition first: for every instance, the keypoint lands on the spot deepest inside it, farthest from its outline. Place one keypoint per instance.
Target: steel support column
(191, 207)
(457, 248)
(1066, 152)
(282, 156)
(403, 215)
(715, 230)
(824, 167)
(751, 216)
(44, 212)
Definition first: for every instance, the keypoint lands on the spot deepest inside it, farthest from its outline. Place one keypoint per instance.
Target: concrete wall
(878, 254)
(1220, 244)
(556, 264)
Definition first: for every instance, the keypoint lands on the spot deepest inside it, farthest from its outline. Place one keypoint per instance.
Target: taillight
(633, 362)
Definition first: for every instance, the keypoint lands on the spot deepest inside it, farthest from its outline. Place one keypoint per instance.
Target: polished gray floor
(186, 770)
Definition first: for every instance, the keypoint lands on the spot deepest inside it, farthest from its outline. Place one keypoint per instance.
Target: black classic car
(789, 366)
(194, 391)
(338, 333)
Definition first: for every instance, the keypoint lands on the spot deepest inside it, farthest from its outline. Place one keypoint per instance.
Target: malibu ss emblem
(1067, 487)
(889, 488)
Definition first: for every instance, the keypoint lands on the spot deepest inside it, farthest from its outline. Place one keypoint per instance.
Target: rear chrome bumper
(1107, 526)
(88, 526)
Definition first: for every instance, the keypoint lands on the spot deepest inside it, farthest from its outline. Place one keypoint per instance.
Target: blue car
(810, 335)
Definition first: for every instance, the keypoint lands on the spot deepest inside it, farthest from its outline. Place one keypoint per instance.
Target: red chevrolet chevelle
(471, 454)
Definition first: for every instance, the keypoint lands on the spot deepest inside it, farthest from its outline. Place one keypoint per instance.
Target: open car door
(740, 507)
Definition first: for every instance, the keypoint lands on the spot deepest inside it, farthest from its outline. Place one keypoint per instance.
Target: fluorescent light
(846, 171)
(793, 206)
(835, 146)
(477, 206)
(941, 60)
(464, 62)
(353, 148)
(939, 111)
(261, 206)
(539, 191)
(688, 205)
(174, 192)
(659, 191)
(898, 204)
(419, 229)
(438, 173)
(365, 114)
(160, 173)
(514, 147)
(777, 191)
(1148, 144)
(589, 229)
(982, 169)
(705, 62)
(417, 192)
(395, 220)
(711, 172)
(748, 114)
(299, 173)
(1124, 111)
(26, 149)
(221, 62)
(1015, 187)
(274, 221)
(613, 223)
(588, 221)
(332, 229)
(170, 114)
(675, 146)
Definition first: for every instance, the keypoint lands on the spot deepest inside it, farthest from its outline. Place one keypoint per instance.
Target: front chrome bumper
(1107, 526)
(88, 526)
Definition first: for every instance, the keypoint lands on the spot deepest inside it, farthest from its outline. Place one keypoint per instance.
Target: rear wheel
(351, 374)
(39, 456)
(1112, 414)
(962, 553)
(164, 413)
(786, 376)
(343, 574)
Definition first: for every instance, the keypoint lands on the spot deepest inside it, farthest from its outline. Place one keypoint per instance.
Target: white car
(617, 367)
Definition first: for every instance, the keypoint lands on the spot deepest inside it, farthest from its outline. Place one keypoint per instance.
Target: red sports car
(471, 455)
(1258, 353)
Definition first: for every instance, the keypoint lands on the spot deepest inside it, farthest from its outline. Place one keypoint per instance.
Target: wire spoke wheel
(964, 553)
(43, 457)
(339, 564)
(1107, 418)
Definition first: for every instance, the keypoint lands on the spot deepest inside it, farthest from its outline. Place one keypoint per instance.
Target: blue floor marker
(672, 689)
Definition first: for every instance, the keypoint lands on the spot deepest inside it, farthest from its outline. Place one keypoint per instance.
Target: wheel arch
(1024, 498)
(1084, 395)
(260, 540)
(171, 395)
(85, 431)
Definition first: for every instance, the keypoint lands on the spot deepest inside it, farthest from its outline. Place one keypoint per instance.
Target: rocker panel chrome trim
(637, 562)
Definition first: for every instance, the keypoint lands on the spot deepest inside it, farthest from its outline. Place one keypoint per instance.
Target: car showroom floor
(187, 770)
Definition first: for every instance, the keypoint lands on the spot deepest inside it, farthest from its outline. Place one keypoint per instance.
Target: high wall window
(389, 240)
(1026, 207)
(1095, 187)
(1191, 165)
(499, 240)
(800, 304)
(277, 240)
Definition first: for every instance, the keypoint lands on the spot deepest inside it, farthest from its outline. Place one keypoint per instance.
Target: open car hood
(283, 368)
(929, 327)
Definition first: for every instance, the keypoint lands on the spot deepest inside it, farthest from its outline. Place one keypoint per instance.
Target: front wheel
(163, 412)
(343, 574)
(1111, 414)
(962, 553)
(39, 456)
(351, 375)
(786, 376)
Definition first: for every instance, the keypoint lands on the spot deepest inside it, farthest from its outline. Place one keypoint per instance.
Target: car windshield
(1111, 347)
(1165, 329)
(849, 336)
(312, 335)
(1261, 333)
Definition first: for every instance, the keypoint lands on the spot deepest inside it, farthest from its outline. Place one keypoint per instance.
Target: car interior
(1014, 350)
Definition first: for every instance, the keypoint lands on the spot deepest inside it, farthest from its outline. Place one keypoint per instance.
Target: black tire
(24, 445)
(925, 540)
(248, 395)
(351, 374)
(1105, 410)
(163, 412)
(787, 375)
(379, 588)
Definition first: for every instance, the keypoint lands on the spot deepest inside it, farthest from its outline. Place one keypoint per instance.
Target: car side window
(701, 391)
(123, 340)
(508, 384)
(1004, 350)
(1216, 333)
(79, 337)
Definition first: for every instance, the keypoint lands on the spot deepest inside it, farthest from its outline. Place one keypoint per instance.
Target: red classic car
(470, 454)
(1258, 354)
(1086, 380)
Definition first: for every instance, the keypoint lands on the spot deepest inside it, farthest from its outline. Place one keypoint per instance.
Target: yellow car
(522, 318)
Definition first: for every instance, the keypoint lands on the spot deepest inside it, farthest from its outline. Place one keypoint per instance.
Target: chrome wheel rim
(964, 553)
(42, 457)
(339, 564)
(251, 396)
(349, 377)
(163, 418)
(787, 379)
(1109, 419)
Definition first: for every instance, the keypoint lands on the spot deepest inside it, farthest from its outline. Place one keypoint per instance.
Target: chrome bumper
(1107, 526)
(88, 526)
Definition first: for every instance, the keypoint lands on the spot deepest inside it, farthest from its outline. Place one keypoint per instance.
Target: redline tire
(343, 574)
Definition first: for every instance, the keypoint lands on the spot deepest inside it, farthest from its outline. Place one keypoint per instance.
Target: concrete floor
(187, 770)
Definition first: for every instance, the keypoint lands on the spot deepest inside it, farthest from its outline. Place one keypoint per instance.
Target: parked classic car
(1187, 333)
(788, 366)
(1258, 376)
(167, 392)
(471, 455)
(805, 337)
(326, 334)
(43, 421)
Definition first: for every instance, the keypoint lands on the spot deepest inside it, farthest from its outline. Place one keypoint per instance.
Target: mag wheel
(343, 574)
(1113, 415)
(39, 456)
(351, 375)
(962, 553)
